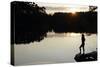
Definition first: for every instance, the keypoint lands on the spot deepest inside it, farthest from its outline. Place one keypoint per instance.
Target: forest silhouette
(30, 23)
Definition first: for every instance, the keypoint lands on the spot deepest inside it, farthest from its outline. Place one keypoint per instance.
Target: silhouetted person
(83, 44)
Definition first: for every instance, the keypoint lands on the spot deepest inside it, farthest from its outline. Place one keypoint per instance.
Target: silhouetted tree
(30, 23)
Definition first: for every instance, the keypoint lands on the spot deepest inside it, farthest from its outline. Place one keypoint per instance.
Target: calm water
(55, 48)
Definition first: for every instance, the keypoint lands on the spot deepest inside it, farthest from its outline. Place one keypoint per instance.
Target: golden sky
(55, 7)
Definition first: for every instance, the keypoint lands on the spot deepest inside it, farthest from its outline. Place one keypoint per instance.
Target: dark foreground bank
(92, 56)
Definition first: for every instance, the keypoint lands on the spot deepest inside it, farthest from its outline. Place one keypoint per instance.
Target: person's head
(82, 35)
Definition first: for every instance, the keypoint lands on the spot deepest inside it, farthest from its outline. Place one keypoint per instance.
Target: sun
(73, 10)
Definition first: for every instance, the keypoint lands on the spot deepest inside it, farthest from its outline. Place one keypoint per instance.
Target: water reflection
(54, 48)
(53, 34)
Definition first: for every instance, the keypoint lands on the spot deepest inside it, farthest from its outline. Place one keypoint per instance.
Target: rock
(92, 56)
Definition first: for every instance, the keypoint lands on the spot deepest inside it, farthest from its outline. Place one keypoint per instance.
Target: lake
(55, 48)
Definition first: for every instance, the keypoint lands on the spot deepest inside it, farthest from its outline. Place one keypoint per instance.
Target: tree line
(30, 23)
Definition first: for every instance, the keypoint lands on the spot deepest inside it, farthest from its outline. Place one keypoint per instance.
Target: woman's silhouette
(83, 44)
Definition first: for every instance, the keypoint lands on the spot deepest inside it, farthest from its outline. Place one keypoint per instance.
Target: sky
(56, 7)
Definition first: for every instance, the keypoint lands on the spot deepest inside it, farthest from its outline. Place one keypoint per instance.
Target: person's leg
(80, 49)
(83, 50)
